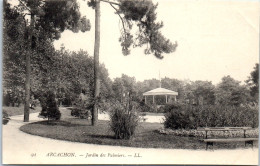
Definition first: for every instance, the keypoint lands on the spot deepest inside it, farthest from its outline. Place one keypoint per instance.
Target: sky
(215, 39)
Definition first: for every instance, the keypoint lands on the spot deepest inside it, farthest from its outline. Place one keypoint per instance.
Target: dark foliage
(123, 123)
(82, 107)
(253, 82)
(11, 98)
(192, 117)
(145, 108)
(81, 113)
(144, 14)
(5, 118)
(177, 117)
(50, 109)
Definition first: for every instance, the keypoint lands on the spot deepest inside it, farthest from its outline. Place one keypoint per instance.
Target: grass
(80, 130)
(11, 111)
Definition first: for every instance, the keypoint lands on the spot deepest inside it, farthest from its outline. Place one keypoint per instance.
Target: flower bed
(220, 134)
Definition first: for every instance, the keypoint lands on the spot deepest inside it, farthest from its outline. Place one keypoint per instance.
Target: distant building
(158, 93)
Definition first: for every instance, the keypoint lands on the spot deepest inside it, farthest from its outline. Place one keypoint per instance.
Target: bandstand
(160, 92)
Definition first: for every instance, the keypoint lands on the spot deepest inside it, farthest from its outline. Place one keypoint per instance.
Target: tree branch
(25, 6)
(113, 3)
(119, 17)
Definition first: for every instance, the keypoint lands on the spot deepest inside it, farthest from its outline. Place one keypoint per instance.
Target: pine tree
(47, 20)
(142, 12)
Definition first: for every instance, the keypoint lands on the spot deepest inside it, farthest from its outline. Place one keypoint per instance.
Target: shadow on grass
(60, 123)
(103, 136)
(146, 136)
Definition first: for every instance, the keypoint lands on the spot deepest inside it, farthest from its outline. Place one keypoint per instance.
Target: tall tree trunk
(96, 64)
(28, 74)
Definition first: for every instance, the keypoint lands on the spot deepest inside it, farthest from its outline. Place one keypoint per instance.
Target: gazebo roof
(160, 91)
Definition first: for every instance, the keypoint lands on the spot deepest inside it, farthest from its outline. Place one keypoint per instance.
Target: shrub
(178, 117)
(158, 109)
(221, 116)
(123, 123)
(81, 113)
(145, 108)
(5, 118)
(169, 107)
(82, 107)
(74, 112)
(50, 109)
(12, 98)
(191, 117)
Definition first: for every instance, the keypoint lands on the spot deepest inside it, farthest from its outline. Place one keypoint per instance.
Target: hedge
(192, 117)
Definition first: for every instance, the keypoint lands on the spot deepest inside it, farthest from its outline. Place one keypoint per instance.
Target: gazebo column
(153, 99)
(166, 99)
(175, 98)
(145, 100)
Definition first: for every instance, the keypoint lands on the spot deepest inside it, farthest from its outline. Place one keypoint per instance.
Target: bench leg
(249, 142)
(209, 143)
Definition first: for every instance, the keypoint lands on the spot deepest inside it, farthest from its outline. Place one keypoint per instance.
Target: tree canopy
(253, 82)
(53, 17)
(142, 15)
(47, 20)
(68, 74)
(229, 91)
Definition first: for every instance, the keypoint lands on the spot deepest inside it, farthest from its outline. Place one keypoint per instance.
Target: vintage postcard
(130, 82)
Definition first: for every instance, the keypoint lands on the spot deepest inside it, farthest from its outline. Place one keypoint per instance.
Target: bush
(178, 117)
(5, 118)
(82, 107)
(149, 108)
(50, 109)
(12, 98)
(170, 106)
(192, 117)
(81, 113)
(158, 109)
(123, 123)
(74, 112)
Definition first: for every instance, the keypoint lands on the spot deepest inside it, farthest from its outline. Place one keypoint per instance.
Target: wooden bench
(211, 141)
(215, 140)
(207, 129)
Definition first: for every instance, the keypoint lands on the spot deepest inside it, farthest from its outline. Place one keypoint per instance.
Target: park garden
(70, 89)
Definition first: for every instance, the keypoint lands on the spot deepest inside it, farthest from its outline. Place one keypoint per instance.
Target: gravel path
(21, 148)
(148, 118)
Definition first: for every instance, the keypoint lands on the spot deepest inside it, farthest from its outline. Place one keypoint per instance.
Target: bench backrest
(223, 128)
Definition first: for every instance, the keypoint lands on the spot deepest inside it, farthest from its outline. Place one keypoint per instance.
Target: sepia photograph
(130, 82)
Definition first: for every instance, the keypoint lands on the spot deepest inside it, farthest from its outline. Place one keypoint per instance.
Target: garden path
(148, 118)
(21, 148)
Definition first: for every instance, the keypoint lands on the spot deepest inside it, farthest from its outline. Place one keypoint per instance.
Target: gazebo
(160, 92)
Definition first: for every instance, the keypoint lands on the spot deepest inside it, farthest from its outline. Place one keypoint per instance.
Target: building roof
(160, 91)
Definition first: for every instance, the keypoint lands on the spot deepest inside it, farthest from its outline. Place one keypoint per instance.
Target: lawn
(11, 111)
(80, 130)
